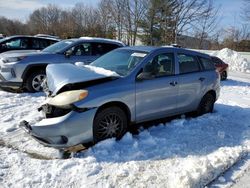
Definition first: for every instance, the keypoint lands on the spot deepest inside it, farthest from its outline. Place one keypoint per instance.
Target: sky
(20, 9)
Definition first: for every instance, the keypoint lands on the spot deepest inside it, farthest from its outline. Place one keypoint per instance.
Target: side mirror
(145, 76)
(68, 53)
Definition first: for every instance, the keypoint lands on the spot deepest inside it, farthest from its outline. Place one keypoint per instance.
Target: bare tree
(158, 22)
(206, 25)
(106, 19)
(133, 13)
(188, 12)
(155, 22)
(245, 14)
(45, 20)
(12, 27)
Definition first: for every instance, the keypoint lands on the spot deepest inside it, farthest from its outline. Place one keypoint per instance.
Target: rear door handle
(201, 79)
(173, 83)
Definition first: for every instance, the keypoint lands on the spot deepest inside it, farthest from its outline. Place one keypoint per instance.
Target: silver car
(26, 71)
(126, 86)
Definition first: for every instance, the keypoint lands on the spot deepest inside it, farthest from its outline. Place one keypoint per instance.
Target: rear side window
(39, 43)
(18, 43)
(103, 48)
(207, 64)
(188, 63)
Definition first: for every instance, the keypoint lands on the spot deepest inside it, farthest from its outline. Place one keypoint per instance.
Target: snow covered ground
(186, 152)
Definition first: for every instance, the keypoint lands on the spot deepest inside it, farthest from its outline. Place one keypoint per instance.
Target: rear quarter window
(207, 63)
(188, 63)
(41, 43)
(103, 48)
(50, 42)
(217, 61)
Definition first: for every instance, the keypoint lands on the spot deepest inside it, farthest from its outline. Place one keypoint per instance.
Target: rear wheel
(110, 122)
(224, 75)
(34, 81)
(206, 104)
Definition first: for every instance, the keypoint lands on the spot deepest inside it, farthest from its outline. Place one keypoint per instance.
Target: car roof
(29, 36)
(215, 57)
(150, 49)
(142, 48)
(46, 36)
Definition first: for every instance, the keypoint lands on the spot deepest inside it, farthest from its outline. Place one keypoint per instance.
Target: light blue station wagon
(126, 86)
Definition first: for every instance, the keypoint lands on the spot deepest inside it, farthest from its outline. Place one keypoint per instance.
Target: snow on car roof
(30, 36)
(102, 39)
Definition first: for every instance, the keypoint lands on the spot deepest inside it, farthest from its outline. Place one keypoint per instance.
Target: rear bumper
(63, 132)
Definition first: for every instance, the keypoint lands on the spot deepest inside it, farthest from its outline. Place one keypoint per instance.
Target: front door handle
(173, 83)
(201, 79)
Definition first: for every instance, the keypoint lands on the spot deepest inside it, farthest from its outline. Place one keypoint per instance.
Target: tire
(206, 105)
(224, 75)
(34, 81)
(109, 122)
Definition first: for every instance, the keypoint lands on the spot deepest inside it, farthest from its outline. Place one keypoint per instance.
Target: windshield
(4, 39)
(58, 47)
(120, 61)
(1, 40)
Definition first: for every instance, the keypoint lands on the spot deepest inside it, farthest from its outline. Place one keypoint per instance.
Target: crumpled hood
(59, 75)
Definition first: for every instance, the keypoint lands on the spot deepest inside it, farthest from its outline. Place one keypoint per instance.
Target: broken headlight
(67, 98)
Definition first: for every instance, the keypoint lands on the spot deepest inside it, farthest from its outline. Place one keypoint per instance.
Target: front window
(58, 47)
(2, 40)
(120, 61)
(161, 65)
(81, 50)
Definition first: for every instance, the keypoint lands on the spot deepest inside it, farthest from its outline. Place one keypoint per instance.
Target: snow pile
(98, 70)
(16, 107)
(13, 109)
(234, 59)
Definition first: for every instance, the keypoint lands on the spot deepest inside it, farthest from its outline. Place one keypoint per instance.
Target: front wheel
(110, 122)
(206, 104)
(34, 81)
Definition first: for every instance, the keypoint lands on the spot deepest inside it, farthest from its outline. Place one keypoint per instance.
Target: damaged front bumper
(64, 131)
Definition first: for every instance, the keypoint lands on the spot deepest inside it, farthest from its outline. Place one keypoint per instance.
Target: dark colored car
(221, 66)
(25, 43)
(26, 71)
